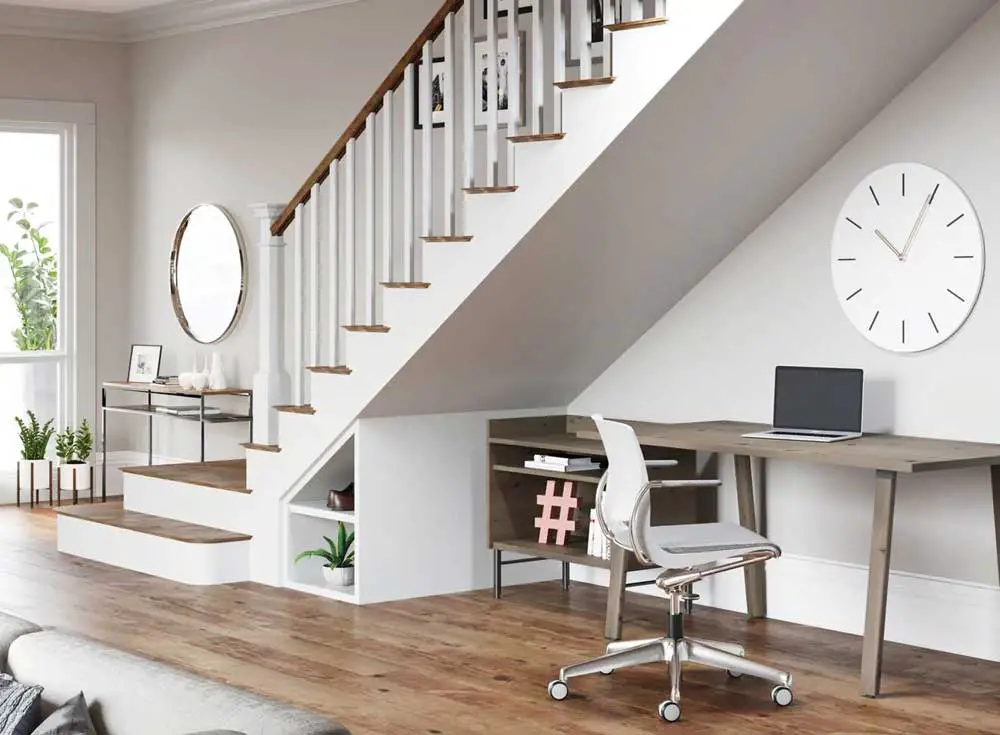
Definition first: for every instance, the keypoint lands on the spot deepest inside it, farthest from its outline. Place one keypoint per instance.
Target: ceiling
(93, 6)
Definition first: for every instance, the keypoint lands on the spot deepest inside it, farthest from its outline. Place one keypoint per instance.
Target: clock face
(907, 257)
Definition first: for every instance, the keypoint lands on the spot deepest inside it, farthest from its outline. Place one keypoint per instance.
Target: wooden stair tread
(628, 25)
(274, 448)
(580, 83)
(229, 474)
(543, 137)
(370, 328)
(330, 369)
(305, 409)
(447, 238)
(406, 284)
(490, 190)
(114, 514)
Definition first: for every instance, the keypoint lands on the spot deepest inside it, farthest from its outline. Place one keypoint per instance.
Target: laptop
(815, 404)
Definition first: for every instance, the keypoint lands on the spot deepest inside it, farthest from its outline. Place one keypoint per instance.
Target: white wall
(772, 302)
(236, 116)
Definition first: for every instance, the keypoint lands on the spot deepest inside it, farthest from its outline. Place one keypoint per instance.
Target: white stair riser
(180, 501)
(195, 564)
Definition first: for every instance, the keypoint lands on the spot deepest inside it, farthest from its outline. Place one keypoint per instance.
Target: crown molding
(169, 19)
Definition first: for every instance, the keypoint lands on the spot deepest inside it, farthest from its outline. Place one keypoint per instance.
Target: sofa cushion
(18, 706)
(130, 694)
(10, 629)
(73, 718)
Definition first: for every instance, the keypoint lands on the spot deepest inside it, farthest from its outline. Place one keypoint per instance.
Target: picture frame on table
(503, 82)
(504, 6)
(438, 100)
(144, 363)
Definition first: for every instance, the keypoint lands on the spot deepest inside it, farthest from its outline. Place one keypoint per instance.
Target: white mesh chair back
(626, 478)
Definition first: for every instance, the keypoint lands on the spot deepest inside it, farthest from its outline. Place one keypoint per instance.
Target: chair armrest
(637, 548)
(661, 462)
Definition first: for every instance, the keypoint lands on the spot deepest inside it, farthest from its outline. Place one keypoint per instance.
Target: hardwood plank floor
(470, 664)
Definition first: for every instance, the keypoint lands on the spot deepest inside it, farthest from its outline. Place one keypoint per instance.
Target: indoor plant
(33, 468)
(338, 569)
(35, 279)
(73, 449)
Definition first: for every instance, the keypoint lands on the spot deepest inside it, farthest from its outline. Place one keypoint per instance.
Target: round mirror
(208, 273)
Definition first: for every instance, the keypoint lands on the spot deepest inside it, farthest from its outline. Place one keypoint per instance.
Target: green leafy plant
(35, 277)
(84, 442)
(338, 555)
(34, 436)
(74, 447)
(66, 445)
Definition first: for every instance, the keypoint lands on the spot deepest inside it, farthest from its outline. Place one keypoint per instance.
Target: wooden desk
(886, 454)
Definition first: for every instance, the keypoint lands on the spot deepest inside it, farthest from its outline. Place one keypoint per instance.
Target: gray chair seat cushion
(129, 694)
(676, 547)
(12, 628)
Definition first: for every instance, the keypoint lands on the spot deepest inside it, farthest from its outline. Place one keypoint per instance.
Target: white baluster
(313, 271)
(491, 93)
(660, 8)
(299, 301)
(336, 292)
(371, 251)
(427, 151)
(558, 60)
(581, 35)
(408, 184)
(388, 120)
(469, 97)
(609, 18)
(449, 125)
(632, 10)
(537, 70)
(350, 233)
(271, 381)
(513, 89)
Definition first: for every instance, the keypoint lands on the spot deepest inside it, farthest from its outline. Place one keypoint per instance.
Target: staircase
(397, 225)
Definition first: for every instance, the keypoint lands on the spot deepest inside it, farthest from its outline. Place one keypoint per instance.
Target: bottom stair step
(161, 547)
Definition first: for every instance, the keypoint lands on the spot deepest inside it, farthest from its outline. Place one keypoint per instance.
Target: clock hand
(892, 247)
(916, 227)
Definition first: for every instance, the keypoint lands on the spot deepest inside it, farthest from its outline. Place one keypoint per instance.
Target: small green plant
(35, 279)
(74, 447)
(34, 436)
(339, 554)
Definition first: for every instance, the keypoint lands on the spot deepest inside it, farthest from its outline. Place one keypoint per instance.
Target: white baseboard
(928, 612)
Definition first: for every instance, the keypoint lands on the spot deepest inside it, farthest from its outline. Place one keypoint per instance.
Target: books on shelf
(187, 410)
(562, 464)
(597, 544)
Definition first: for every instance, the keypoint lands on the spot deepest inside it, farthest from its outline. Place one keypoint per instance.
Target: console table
(149, 410)
(885, 454)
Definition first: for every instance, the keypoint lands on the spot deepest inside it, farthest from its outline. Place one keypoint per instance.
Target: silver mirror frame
(175, 255)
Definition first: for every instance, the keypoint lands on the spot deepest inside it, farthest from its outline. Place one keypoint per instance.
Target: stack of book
(561, 464)
(187, 410)
(597, 544)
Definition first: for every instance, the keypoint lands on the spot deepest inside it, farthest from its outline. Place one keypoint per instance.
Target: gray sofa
(131, 695)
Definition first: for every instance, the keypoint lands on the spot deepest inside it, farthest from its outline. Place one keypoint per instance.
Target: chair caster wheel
(559, 690)
(734, 674)
(781, 696)
(607, 672)
(670, 711)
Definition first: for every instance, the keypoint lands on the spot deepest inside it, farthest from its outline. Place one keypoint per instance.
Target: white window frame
(75, 123)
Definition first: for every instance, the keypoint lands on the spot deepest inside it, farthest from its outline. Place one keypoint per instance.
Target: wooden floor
(470, 664)
(114, 514)
(229, 474)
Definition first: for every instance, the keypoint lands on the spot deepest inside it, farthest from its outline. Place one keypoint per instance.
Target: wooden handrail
(374, 104)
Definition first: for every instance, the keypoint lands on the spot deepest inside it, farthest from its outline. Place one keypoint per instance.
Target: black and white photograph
(437, 95)
(504, 6)
(144, 363)
(505, 86)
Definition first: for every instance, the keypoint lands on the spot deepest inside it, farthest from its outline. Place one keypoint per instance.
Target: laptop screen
(824, 399)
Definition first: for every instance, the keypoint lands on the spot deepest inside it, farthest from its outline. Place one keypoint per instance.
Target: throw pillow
(72, 718)
(19, 706)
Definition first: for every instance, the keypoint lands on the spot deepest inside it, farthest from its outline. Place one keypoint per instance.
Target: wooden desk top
(174, 389)
(872, 451)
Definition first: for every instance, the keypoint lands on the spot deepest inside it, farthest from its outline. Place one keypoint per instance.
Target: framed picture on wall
(438, 101)
(505, 86)
(144, 363)
(504, 6)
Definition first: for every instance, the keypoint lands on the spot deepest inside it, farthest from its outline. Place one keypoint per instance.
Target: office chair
(687, 553)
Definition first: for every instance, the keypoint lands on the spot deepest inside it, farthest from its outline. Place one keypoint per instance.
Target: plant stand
(73, 486)
(34, 492)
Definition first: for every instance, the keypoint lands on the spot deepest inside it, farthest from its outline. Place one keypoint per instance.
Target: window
(46, 270)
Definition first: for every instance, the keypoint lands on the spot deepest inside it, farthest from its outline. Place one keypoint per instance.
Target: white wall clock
(907, 257)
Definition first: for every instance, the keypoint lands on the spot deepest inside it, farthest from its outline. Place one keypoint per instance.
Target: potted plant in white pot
(73, 449)
(338, 570)
(34, 471)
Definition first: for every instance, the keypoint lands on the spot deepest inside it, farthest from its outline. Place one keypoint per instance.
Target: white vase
(42, 473)
(78, 473)
(186, 380)
(199, 381)
(217, 377)
(338, 577)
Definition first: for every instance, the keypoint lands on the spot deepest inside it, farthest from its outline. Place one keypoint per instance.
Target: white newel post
(271, 381)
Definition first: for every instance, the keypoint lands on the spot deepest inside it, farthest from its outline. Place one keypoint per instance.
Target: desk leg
(878, 583)
(753, 575)
(616, 594)
(995, 481)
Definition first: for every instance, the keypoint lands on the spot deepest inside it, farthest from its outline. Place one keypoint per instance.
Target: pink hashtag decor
(566, 505)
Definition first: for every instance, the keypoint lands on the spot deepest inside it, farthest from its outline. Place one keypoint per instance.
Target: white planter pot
(79, 472)
(42, 469)
(339, 577)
